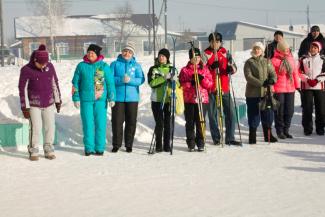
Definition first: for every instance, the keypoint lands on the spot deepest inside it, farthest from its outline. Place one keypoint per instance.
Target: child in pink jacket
(284, 89)
(191, 98)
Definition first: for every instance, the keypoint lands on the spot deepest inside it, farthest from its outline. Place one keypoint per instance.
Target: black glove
(26, 112)
(229, 69)
(268, 82)
(200, 77)
(58, 106)
(214, 65)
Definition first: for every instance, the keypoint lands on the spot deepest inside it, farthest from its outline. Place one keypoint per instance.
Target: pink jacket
(284, 84)
(189, 92)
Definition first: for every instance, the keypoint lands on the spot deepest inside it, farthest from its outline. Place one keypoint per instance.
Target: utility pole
(51, 25)
(166, 45)
(153, 28)
(308, 20)
(149, 30)
(2, 35)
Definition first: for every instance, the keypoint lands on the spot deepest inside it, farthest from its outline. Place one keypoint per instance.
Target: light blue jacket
(84, 81)
(127, 92)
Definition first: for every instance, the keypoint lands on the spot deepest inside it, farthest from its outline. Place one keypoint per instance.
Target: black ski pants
(283, 116)
(124, 112)
(192, 119)
(311, 97)
(162, 119)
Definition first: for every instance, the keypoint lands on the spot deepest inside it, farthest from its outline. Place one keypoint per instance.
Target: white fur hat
(259, 44)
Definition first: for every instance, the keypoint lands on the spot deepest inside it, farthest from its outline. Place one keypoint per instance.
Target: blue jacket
(84, 79)
(127, 92)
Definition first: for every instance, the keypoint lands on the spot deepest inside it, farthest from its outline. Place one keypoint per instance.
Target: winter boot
(266, 131)
(287, 134)
(33, 153)
(281, 135)
(49, 151)
(252, 135)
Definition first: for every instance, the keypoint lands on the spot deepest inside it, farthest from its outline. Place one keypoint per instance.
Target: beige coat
(257, 70)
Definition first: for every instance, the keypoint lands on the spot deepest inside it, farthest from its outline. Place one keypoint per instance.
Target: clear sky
(196, 15)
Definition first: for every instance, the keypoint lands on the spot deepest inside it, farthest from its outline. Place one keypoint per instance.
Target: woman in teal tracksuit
(128, 76)
(92, 89)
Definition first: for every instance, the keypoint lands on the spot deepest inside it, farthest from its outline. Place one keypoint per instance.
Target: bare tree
(53, 10)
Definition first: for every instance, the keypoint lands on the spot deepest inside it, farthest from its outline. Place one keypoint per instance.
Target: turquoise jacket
(127, 92)
(89, 77)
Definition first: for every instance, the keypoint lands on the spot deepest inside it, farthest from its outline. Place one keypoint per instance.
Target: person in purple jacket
(39, 96)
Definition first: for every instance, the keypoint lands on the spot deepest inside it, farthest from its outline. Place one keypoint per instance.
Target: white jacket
(313, 67)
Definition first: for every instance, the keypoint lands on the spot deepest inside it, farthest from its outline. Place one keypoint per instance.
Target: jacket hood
(120, 58)
(221, 49)
(99, 58)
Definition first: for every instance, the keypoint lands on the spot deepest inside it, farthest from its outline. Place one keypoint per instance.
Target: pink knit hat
(41, 55)
(318, 44)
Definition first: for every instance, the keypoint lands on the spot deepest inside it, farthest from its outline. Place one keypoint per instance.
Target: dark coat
(305, 44)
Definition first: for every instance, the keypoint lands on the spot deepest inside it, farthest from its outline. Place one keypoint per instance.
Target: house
(73, 34)
(239, 35)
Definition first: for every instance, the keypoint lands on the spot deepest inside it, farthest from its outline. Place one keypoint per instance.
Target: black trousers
(311, 97)
(192, 119)
(124, 112)
(283, 116)
(162, 119)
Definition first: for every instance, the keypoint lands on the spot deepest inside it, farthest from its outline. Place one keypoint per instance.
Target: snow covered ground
(282, 179)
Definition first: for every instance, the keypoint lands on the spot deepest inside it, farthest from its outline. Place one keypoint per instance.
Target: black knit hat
(215, 36)
(196, 52)
(95, 48)
(164, 52)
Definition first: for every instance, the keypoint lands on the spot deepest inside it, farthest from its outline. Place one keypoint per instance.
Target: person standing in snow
(92, 90)
(128, 76)
(312, 69)
(284, 88)
(159, 79)
(271, 47)
(314, 35)
(219, 60)
(192, 116)
(259, 74)
(39, 96)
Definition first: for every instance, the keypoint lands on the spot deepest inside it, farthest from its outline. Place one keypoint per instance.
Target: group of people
(271, 73)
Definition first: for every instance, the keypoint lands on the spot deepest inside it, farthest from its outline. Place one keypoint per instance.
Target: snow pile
(282, 179)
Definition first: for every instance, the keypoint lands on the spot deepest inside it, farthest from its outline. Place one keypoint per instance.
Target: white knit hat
(259, 44)
(129, 46)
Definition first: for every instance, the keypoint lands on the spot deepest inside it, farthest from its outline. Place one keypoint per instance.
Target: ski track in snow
(280, 180)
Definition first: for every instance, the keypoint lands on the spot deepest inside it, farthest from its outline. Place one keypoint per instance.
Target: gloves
(126, 79)
(312, 82)
(214, 65)
(168, 76)
(58, 106)
(26, 112)
(76, 104)
(111, 104)
(268, 82)
(201, 77)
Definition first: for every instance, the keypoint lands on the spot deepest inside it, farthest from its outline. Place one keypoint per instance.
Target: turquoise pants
(93, 116)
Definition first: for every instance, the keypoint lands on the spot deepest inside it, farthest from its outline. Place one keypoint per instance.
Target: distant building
(238, 35)
(73, 34)
(301, 28)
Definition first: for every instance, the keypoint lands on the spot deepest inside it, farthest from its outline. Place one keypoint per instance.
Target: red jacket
(223, 63)
(189, 91)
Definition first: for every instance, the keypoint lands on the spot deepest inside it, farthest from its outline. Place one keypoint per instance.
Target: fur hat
(318, 44)
(282, 46)
(95, 48)
(129, 46)
(41, 55)
(164, 52)
(196, 52)
(259, 44)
